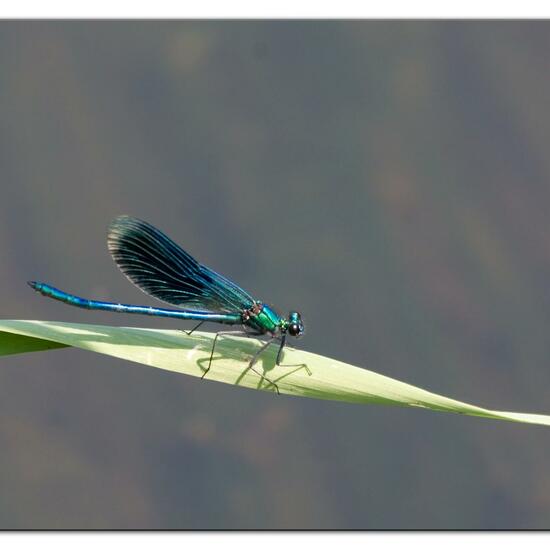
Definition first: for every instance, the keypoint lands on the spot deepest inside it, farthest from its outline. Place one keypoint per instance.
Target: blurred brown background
(391, 180)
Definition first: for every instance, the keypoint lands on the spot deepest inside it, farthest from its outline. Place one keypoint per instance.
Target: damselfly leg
(189, 332)
(280, 356)
(252, 360)
(280, 352)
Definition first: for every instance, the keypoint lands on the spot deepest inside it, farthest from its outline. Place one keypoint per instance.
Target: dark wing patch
(159, 267)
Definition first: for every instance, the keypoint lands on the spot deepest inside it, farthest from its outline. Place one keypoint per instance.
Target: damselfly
(162, 269)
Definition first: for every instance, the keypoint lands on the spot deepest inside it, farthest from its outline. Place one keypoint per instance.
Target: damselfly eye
(294, 329)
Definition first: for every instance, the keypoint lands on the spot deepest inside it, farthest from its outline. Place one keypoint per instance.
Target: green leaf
(302, 374)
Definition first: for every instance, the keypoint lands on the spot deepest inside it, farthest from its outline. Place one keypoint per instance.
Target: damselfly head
(295, 324)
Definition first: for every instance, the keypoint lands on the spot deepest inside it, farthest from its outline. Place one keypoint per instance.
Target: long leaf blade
(302, 373)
